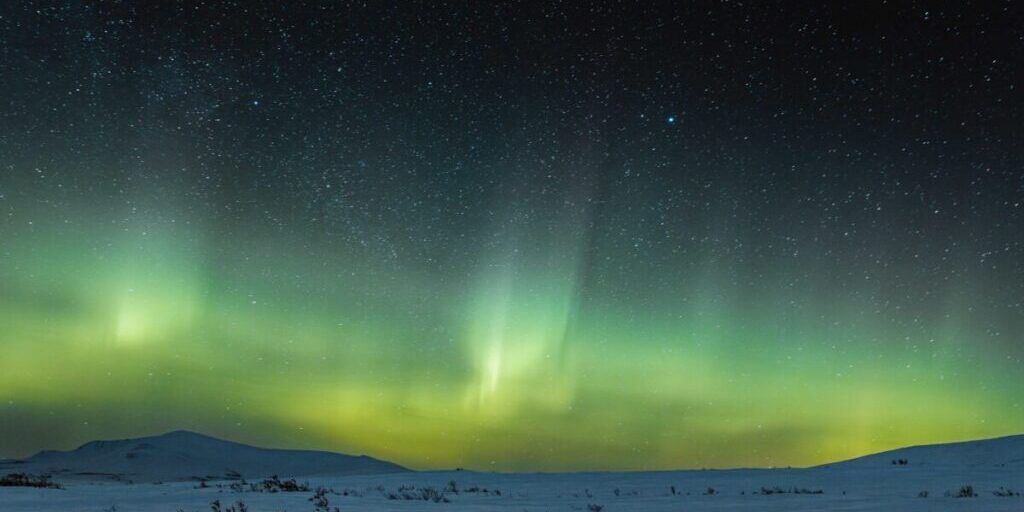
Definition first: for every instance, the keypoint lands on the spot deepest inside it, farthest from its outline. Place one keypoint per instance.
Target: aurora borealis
(514, 237)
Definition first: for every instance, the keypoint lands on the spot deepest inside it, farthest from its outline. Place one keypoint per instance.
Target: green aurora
(150, 325)
(357, 242)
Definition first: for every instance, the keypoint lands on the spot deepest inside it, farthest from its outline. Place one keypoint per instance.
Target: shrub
(320, 502)
(27, 480)
(965, 491)
(432, 494)
(410, 493)
(237, 507)
(275, 484)
(478, 490)
(804, 490)
(791, 490)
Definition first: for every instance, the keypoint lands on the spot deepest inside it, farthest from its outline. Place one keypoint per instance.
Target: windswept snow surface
(856, 488)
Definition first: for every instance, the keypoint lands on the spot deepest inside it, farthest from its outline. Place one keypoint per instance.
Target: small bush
(922, 494)
(237, 507)
(965, 491)
(432, 494)
(275, 484)
(320, 502)
(480, 490)
(595, 508)
(1002, 492)
(410, 493)
(27, 480)
(804, 490)
(791, 490)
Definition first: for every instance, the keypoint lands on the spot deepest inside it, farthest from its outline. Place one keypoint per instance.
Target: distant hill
(1001, 451)
(183, 455)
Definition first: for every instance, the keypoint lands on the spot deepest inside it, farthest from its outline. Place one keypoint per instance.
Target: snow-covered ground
(97, 476)
(842, 488)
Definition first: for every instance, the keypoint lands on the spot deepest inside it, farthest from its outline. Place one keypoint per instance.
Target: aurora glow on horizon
(345, 228)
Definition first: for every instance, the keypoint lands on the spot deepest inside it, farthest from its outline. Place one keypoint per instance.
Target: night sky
(513, 237)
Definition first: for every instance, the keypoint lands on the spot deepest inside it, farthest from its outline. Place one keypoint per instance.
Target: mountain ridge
(185, 455)
(996, 451)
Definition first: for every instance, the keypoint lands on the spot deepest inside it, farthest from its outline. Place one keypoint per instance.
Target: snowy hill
(183, 455)
(1001, 451)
